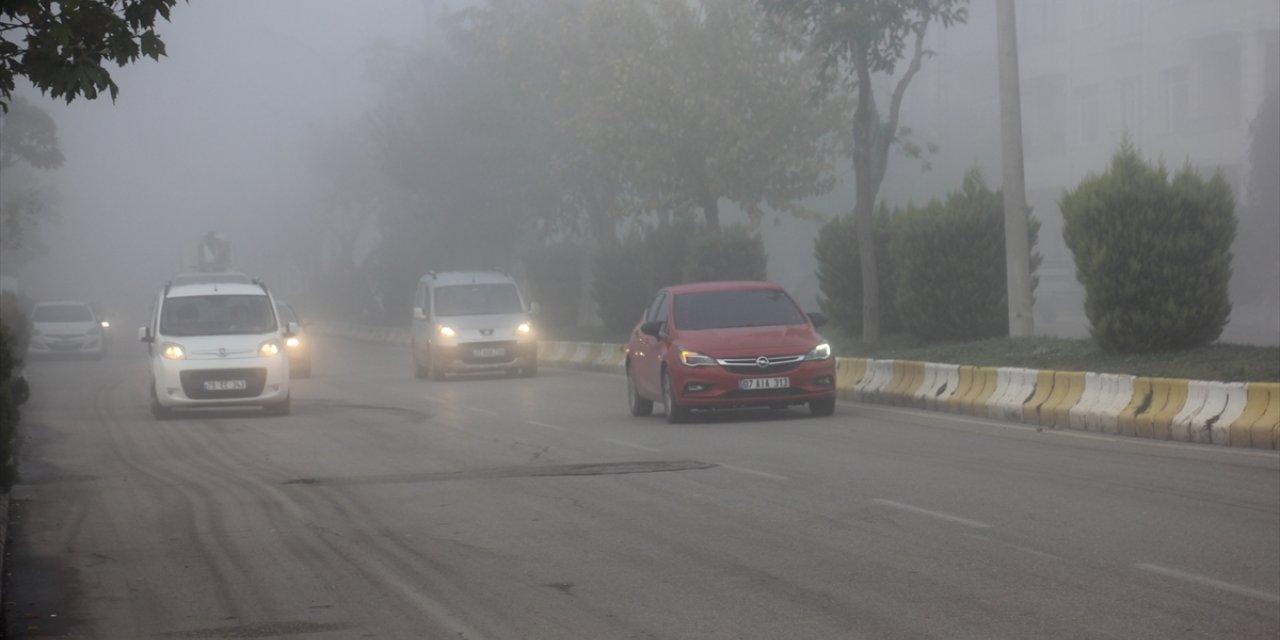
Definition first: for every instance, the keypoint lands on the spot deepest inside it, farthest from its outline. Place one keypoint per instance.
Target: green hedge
(15, 329)
(840, 273)
(948, 260)
(1153, 254)
(553, 277)
(626, 277)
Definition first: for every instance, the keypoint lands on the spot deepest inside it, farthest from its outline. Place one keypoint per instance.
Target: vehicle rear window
(477, 299)
(217, 315)
(727, 309)
(62, 313)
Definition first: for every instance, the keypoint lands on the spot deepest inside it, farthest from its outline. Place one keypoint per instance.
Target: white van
(471, 321)
(217, 344)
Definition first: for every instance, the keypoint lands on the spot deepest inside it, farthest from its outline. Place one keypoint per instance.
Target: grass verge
(1222, 362)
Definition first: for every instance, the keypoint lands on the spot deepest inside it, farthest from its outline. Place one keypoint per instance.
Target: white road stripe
(632, 445)
(1034, 552)
(547, 426)
(762, 474)
(935, 514)
(1210, 582)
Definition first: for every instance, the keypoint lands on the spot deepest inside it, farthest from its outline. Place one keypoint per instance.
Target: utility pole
(1017, 251)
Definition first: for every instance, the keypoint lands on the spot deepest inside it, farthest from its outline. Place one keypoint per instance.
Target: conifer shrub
(1153, 254)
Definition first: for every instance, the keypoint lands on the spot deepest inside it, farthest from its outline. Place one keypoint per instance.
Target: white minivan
(471, 321)
(217, 344)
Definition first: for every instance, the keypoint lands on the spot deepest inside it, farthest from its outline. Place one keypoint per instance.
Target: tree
(855, 40)
(718, 107)
(60, 47)
(28, 140)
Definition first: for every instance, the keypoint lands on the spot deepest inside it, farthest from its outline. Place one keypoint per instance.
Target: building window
(1175, 98)
(1128, 17)
(1129, 108)
(1090, 114)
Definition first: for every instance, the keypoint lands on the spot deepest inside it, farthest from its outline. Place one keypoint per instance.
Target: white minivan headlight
(446, 331)
(173, 351)
(269, 349)
(524, 328)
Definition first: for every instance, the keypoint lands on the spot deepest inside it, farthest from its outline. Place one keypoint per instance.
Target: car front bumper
(182, 383)
(716, 387)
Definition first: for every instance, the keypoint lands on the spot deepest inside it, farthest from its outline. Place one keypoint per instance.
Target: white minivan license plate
(490, 352)
(225, 385)
(750, 384)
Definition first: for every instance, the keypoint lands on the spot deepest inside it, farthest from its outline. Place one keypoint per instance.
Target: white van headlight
(173, 351)
(446, 331)
(524, 329)
(269, 348)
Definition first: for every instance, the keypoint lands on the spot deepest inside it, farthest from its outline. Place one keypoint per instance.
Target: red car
(728, 344)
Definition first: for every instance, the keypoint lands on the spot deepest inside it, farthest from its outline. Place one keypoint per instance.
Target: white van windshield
(217, 315)
(477, 299)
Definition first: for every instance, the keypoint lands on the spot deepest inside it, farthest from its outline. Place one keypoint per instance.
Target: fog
(278, 124)
(211, 137)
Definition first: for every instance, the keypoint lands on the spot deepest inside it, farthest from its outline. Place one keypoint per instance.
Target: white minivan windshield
(477, 299)
(217, 315)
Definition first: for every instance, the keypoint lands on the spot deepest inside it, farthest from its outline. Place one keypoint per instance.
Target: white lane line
(1210, 582)
(547, 426)
(487, 412)
(762, 474)
(632, 445)
(1034, 552)
(935, 514)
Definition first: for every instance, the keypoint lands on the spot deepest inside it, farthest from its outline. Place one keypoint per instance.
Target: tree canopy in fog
(61, 47)
(856, 41)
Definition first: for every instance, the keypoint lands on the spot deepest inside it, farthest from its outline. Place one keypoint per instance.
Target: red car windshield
(729, 309)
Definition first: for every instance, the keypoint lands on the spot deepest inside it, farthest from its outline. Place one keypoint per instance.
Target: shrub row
(941, 267)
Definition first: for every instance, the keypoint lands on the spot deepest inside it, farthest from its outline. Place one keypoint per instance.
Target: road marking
(486, 412)
(1034, 552)
(936, 514)
(1210, 582)
(632, 445)
(547, 426)
(762, 474)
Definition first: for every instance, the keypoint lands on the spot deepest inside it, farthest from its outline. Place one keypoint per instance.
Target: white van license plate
(489, 352)
(751, 384)
(226, 385)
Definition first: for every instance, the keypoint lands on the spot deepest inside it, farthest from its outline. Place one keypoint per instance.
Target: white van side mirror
(534, 308)
(418, 314)
(144, 335)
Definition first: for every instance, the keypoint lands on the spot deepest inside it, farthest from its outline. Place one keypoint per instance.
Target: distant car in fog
(209, 277)
(297, 346)
(471, 321)
(217, 344)
(66, 328)
(725, 345)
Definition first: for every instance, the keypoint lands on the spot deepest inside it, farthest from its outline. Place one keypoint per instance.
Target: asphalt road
(388, 507)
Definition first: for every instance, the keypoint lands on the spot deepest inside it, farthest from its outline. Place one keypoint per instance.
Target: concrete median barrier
(1207, 412)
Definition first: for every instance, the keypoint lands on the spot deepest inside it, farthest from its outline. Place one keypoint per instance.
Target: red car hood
(750, 341)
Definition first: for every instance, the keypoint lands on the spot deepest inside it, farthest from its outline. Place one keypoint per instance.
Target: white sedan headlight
(292, 342)
(820, 352)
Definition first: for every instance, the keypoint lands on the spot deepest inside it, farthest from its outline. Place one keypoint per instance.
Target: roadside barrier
(1222, 413)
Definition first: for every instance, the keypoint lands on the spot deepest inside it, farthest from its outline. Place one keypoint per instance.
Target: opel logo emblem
(762, 362)
(222, 352)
